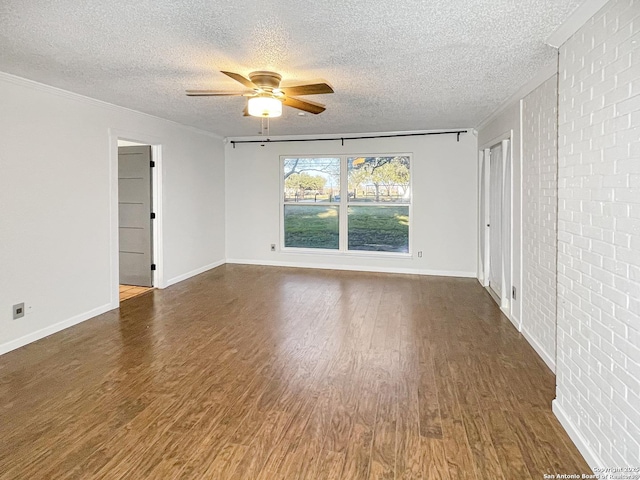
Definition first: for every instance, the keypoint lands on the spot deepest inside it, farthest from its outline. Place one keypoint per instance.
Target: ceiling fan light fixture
(264, 106)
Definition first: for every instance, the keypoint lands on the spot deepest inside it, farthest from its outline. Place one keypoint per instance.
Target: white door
(134, 212)
(506, 223)
(484, 215)
(495, 220)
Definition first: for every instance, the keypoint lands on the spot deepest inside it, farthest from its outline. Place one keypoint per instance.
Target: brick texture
(539, 216)
(598, 360)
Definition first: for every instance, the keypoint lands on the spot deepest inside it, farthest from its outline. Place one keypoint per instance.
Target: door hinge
(152, 163)
(153, 216)
(153, 266)
(513, 292)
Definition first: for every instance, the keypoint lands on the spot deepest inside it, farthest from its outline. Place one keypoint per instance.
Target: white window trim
(343, 228)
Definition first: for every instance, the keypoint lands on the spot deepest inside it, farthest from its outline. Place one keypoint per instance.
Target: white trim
(158, 228)
(353, 268)
(157, 196)
(480, 171)
(575, 22)
(24, 82)
(497, 140)
(538, 79)
(520, 291)
(590, 456)
(346, 253)
(507, 313)
(193, 273)
(540, 350)
(494, 295)
(51, 329)
(514, 320)
(505, 302)
(484, 228)
(343, 204)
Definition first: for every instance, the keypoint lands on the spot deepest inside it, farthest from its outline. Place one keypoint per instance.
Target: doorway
(496, 221)
(136, 259)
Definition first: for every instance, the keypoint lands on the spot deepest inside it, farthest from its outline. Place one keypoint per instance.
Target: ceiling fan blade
(308, 89)
(306, 105)
(239, 78)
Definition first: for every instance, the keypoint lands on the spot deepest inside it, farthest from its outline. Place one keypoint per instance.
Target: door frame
(156, 206)
(505, 302)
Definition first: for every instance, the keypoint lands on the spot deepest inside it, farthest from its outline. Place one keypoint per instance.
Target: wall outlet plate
(18, 310)
(273, 247)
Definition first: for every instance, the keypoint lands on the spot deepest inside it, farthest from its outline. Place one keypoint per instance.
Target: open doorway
(136, 256)
(496, 186)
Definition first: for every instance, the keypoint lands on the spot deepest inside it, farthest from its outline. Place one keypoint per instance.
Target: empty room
(341, 240)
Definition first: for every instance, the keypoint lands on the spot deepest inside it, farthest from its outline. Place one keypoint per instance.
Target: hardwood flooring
(130, 291)
(249, 372)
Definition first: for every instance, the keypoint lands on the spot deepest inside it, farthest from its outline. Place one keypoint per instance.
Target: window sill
(337, 253)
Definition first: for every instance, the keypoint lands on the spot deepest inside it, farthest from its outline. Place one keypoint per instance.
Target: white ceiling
(401, 65)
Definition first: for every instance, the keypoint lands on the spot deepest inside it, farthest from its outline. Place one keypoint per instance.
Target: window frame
(343, 206)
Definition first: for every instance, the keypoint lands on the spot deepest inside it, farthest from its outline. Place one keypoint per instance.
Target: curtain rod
(342, 139)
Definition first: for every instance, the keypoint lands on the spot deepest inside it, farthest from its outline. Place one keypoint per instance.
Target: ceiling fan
(266, 96)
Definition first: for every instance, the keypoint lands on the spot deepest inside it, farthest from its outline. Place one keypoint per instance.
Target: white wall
(56, 204)
(503, 125)
(539, 218)
(444, 204)
(598, 362)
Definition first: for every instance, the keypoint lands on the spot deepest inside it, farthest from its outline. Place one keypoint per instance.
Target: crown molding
(575, 22)
(25, 82)
(538, 79)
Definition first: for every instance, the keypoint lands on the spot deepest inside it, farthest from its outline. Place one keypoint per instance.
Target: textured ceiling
(401, 65)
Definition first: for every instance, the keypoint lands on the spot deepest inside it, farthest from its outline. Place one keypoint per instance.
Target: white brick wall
(598, 360)
(539, 218)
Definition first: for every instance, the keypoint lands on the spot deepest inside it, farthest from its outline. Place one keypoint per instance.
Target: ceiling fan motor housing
(266, 80)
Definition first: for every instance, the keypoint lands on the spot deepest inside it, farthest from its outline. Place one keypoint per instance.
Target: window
(312, 203)
(347, 203)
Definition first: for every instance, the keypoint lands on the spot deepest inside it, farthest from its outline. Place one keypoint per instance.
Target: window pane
(379, 179)
(379, 228)
(311, 180)
(311, 226)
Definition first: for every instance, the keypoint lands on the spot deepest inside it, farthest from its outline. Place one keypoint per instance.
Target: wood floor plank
(409, 446)
(274, 373)
(358, 455)
(456, 445)
(509, 454)
(264, 442)
(434, 463)
(383, 450)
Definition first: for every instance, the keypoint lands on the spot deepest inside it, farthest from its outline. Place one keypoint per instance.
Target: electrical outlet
(18, 310)
(273, 247)
(420, 254)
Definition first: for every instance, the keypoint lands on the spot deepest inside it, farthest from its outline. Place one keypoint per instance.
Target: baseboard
(576, 437)
(51, 329)
(354, 268)
(516, 321)
(540, 350)
(507, 313)
(192, 273)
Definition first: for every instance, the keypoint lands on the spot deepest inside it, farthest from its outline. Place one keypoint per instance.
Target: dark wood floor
(251, 372)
